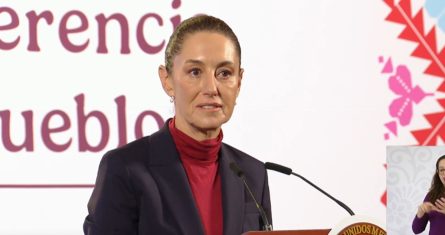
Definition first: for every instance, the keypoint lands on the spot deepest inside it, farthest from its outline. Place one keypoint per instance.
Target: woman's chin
(209, 124)
(209, 127)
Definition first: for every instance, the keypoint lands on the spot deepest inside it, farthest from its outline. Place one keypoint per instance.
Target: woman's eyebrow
(192, 61)
(224, 63)
(220, 64)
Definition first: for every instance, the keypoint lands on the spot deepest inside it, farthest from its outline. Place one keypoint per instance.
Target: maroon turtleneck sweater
(200, 161)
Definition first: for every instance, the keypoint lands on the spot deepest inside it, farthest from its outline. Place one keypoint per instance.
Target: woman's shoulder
(129, 152)
(143, 148)
(132, 147)
(141, 145)
(242, 158)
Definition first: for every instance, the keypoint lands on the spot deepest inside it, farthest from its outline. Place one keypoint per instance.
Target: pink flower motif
(400, 83)
(401, 108)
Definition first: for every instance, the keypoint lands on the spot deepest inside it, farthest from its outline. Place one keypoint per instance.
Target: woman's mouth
(209, 106)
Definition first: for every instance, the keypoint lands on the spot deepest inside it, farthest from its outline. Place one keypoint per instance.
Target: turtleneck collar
(200, 152)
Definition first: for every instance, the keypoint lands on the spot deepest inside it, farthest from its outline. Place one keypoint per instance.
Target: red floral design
(426, 49)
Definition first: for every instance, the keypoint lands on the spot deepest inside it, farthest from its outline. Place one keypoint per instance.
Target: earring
(172, 99)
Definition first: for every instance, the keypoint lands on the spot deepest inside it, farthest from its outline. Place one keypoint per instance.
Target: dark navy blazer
(142, 188)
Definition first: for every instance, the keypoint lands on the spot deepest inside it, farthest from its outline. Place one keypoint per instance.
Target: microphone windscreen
(235, 168)
(277, 167)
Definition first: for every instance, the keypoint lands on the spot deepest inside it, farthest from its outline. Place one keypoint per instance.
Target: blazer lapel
(232, 189)
(170, 176)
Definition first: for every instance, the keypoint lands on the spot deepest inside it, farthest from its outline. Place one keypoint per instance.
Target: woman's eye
(224, 74)
(195, 72)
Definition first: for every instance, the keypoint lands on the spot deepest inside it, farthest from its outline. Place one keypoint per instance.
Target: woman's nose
(210, 85)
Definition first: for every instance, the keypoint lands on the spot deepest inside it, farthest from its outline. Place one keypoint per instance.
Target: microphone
(238, 172)
(288, 171)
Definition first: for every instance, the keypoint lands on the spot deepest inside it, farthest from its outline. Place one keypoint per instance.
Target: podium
(291, 232)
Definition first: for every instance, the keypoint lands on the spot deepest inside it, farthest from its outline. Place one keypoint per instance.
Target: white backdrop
(313, 98)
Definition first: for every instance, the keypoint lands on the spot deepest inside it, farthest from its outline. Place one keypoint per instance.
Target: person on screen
(433, 207)
(178, 180)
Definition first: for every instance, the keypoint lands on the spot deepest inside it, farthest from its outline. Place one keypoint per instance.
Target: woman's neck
(195, 132)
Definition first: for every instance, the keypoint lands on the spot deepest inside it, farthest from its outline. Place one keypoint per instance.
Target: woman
(178, 180)
(433, 207)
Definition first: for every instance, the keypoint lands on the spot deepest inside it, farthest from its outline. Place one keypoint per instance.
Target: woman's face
(441, 171)
(205, 81)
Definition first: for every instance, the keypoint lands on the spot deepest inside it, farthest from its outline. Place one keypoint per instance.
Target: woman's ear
(166, 82)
